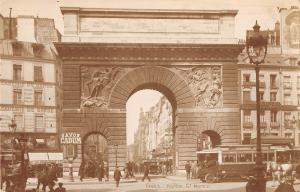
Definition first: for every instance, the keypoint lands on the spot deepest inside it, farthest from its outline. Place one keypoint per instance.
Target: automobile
(230, 162)
(154, 167)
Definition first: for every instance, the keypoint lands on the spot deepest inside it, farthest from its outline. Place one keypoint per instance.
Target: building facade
(279, 83)
(30, 84)
(154, 134)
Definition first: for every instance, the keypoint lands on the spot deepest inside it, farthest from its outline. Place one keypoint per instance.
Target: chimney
(25, 28)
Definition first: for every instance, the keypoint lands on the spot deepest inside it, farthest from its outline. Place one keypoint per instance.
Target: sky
(265, 11)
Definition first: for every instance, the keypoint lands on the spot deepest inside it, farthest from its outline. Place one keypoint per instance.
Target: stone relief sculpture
(206, 83)
(96, 85)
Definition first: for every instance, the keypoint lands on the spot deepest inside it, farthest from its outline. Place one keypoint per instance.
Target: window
(273, 81)
(288, 135)
(287, 120)
(19, 122)
(17, 96)
(273, 116)
(17, 72)
(298, 82)
(37, 49)
(39, 123)
(262, 116)
(17, 48)
(293, 61)
(287, 99)
(261, 96)
(246, 77)
(246, 96)
(287, 82)
(247, 116)
(38, 98)
(261, 78)
(38, 73)
(273, 96)
(247, 138)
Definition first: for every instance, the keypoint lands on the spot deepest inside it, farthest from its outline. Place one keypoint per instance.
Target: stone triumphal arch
(102, 69)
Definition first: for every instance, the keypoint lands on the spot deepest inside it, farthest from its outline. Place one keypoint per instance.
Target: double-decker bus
(228, 162)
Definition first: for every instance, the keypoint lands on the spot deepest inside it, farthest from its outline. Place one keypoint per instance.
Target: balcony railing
(263, 125)
(287, 85)
(249, 84)
(288, 125)
(248, 125)
(274, 125)
(273, 86)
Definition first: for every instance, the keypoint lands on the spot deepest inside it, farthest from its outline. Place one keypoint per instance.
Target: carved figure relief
(206, 83)
(96, 85)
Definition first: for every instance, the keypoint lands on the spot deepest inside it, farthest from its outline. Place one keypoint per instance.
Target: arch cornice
(147, 52)
(162, 79)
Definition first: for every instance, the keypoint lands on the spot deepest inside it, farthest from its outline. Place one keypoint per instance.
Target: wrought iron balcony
(287, 85)
(249, 84)
(288, 124)
(263, 125)
(274, 125)
(247, 125)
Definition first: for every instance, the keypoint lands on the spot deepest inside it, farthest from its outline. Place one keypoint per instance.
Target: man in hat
(117, 176)
(60, 188)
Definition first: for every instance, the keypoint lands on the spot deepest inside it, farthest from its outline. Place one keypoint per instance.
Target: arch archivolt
(162, 79)
(95, 124)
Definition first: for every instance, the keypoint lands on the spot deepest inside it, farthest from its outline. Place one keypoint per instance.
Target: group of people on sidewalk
(118, 175)
(191, 170)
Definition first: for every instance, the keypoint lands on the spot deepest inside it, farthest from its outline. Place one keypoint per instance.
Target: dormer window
(37, 49)
(17, 48)
(293, 61)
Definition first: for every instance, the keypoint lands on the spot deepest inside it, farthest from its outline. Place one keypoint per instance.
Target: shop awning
(56, 156)
(36, 158)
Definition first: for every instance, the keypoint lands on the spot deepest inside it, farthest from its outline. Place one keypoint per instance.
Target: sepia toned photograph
(150, 95)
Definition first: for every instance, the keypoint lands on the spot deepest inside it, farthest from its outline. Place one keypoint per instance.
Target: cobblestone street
(159, 185)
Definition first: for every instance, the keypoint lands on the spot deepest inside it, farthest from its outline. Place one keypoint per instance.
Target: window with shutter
(38, 73)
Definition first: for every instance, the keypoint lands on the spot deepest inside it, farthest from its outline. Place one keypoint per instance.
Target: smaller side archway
(211, 138)
(94, 153)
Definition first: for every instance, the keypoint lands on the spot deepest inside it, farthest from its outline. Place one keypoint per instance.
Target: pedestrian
(286, 185)
(117, 176)
(60, 188)
(188, 170)
(194, 170)
(146, 173)
(81, 171)
(100, 171)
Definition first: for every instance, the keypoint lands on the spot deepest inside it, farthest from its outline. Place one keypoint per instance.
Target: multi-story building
(279, 83)
(30, 81)
(154, 134)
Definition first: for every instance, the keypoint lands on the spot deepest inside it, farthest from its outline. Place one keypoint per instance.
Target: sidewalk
(33, 181)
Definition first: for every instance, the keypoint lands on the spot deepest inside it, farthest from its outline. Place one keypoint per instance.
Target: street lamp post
(12, 127)
(116, 154)
(256, 46)
(20, 144)
(294, 123)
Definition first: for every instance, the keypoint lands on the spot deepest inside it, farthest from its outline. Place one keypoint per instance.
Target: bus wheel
(210, 178)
